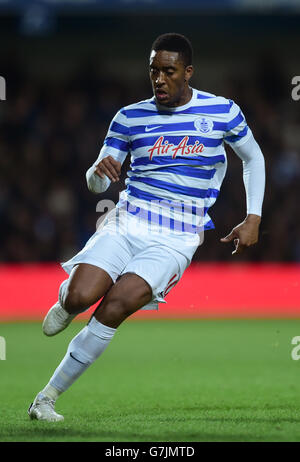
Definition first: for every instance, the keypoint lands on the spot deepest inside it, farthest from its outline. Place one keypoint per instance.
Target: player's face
(169, 78)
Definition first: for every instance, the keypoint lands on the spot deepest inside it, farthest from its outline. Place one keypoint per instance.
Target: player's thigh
(87, 284)
(97, 267)
(125, 297)
(161, 267)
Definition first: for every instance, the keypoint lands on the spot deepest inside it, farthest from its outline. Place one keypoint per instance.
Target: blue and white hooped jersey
(178, 160)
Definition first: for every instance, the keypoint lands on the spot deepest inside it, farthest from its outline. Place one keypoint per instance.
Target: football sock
(83, 350)
(50, 392)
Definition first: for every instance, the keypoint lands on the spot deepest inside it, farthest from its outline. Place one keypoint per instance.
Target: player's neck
(185, 98)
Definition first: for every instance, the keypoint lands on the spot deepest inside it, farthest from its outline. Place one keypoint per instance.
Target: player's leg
(130, 293)
(127, 295)
(92, 271)
(150, 274)
(86, 285)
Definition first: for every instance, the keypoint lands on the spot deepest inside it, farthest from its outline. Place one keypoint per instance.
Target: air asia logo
(182, 149)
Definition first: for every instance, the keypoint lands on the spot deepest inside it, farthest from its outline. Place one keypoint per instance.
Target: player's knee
(117, 308)
(76, 300)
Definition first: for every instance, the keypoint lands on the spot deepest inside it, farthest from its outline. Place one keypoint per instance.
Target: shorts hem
(69, 265)
(155, 294)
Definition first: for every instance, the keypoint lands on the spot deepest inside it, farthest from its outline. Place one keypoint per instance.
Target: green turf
(160, 381)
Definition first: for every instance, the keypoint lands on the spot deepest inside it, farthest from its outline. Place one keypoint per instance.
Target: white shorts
(152, 256)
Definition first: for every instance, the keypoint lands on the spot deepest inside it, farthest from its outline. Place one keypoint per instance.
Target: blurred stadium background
(69, 66)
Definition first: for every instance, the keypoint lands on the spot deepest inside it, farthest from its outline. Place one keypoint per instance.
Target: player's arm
(104, 171)
(107, 167)
(244, 145)
(246, 233)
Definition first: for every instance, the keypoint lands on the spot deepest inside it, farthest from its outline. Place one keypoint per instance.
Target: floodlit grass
(174, 381)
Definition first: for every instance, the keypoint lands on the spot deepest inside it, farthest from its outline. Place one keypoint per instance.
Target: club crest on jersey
(162, 146)
(203, 125)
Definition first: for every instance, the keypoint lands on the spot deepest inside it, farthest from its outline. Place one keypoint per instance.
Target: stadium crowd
(50, 133)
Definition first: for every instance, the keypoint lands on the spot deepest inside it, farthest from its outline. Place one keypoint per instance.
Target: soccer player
(139, 253)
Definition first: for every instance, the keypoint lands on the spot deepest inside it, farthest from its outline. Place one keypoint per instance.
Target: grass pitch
(174, 381)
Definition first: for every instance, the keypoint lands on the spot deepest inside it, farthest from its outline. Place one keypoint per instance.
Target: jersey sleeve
(117, 145)
(237, 131)
(253, 174)
(117, 142)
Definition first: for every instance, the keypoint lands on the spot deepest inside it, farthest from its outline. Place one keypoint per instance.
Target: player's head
(171, 68)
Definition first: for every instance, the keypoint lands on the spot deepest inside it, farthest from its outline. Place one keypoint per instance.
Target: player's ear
(189, 70)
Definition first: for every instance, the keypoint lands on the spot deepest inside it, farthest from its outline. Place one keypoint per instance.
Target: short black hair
(175, 42)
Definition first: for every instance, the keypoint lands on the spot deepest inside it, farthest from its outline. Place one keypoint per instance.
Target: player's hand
(109, 167)
(245, 234)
